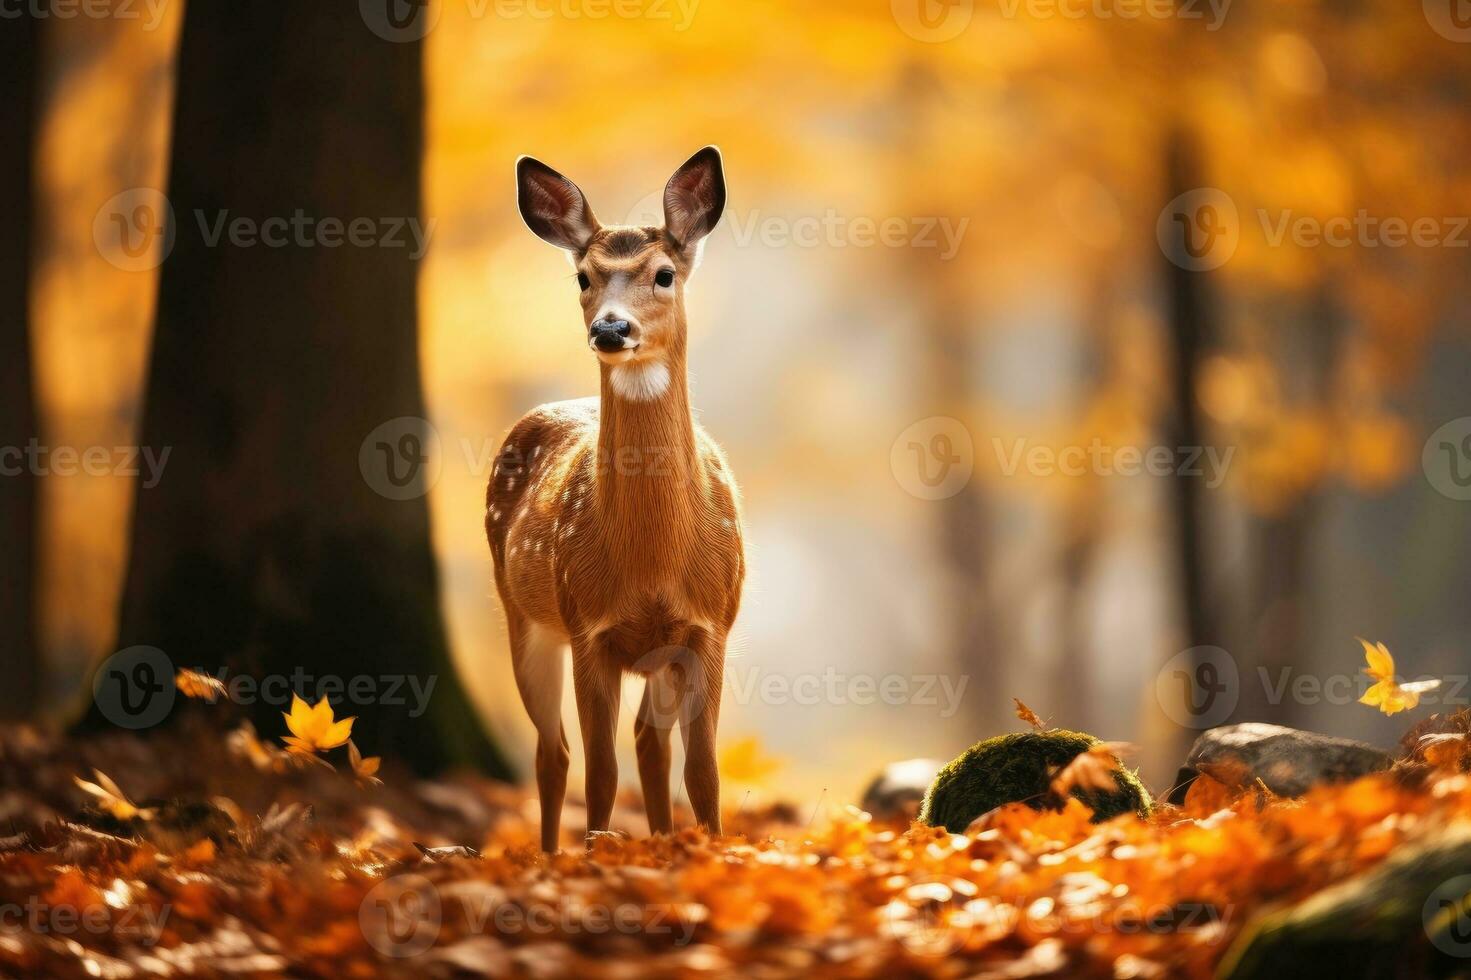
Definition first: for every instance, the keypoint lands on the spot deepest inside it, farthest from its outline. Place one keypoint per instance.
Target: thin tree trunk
(1189, 313)
(275, 544)
(19, 649)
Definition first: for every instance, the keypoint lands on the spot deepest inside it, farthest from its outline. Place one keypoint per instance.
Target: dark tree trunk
(266, 549)
(19, 652)
(1282, 543)
(1189, 315)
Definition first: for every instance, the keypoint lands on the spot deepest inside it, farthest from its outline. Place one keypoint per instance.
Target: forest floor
(198, 853)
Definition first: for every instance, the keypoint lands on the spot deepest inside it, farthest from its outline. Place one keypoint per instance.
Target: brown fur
(615, 524)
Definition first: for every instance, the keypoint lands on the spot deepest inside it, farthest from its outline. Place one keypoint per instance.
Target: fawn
(614, 522)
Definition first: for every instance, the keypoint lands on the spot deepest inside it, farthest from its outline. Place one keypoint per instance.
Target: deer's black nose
(607, 335)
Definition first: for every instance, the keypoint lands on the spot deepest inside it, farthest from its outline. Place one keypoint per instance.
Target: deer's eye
(583, 281)
(664, 277)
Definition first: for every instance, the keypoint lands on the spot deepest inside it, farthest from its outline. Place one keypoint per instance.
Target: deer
(614, 522)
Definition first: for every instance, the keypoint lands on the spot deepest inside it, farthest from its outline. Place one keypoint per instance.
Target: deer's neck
(647, 464)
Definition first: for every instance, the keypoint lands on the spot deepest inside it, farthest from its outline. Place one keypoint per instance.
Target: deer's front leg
(596, 679)
(699, 719)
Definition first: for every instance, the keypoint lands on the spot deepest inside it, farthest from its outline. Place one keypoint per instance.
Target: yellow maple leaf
(110, 798)
(1387, 694)
(744, 762)
(314, 728)
(364, 770)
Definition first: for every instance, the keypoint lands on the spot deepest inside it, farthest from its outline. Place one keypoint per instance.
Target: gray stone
(895, 793)
(1287, 761)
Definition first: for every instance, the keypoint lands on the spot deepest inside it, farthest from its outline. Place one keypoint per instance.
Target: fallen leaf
(1029, 716)
(1091, 771)
(435, 855)
(194, 684)
(364, 770)
(110, 798)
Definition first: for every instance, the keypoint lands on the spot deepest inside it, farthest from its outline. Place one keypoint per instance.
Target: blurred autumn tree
(18, 638)
(265, 549)
(1058, 320)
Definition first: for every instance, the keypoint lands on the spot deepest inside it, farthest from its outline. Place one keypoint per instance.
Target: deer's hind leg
(537, 656)
(657, 714)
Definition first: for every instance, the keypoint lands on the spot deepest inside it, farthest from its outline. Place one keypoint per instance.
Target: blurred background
(986, 261)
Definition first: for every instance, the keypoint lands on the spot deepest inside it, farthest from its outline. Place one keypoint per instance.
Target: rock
(1287, 761)
(1383, 922)
(1019, 768)
(896, 792)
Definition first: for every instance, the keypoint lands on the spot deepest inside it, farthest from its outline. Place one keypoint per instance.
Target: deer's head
(631, 279)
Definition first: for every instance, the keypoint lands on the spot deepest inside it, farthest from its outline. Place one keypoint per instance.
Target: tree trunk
(19, 695)
(1189, 317)
(272, 546)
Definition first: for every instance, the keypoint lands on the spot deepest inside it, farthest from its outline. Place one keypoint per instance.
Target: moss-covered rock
(1018, 768)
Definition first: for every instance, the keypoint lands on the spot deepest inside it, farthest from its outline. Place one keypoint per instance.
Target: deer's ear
(552, 206)
(694, 199)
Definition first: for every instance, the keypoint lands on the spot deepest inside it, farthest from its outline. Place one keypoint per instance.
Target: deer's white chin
(639, 381)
